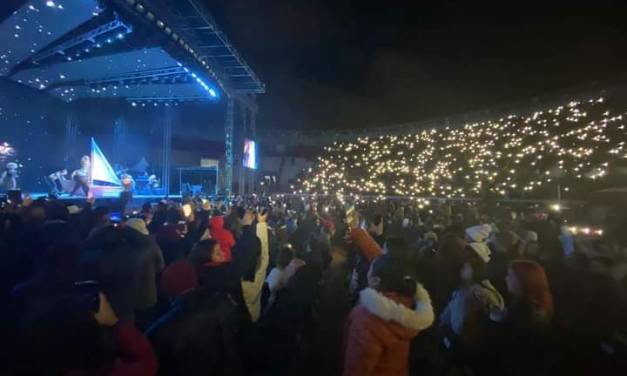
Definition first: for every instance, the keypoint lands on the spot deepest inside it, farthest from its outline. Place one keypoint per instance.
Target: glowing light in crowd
(515, 155)
(585, 230)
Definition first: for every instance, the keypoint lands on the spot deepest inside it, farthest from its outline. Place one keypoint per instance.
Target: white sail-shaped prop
(101, 171)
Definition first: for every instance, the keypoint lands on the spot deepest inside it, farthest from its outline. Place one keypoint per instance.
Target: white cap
(532, 236)
(479, 233)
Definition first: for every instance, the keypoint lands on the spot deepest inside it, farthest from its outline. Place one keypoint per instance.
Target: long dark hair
(534, 285)
(396, 273)
(201, 252)
(477, 265)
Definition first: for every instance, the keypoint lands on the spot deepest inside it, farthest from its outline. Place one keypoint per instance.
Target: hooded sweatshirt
(223, 236)
(379, 330)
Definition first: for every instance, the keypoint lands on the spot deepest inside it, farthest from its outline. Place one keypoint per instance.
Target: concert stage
(154, 81)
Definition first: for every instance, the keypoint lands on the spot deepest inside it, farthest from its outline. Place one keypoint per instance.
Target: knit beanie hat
(178, 278)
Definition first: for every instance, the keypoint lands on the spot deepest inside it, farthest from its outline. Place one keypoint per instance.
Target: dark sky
(354, 64)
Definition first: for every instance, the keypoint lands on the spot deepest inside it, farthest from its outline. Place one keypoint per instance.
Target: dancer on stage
(81, 176)
(8, 179)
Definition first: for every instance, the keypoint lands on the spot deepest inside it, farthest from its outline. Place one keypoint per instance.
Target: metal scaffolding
(169, 118)
(228, 147)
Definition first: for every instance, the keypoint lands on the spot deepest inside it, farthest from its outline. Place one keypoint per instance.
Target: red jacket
(223, 236)
(379, 330)
(366, 244)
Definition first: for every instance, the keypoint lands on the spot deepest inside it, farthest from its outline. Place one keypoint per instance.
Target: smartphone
(88, 293)
(115, 217)
(187, 210)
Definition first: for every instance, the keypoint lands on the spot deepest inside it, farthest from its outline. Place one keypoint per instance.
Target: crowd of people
(308, 286)
(577, 145)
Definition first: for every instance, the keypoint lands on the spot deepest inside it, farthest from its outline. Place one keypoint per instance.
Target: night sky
(354, 64)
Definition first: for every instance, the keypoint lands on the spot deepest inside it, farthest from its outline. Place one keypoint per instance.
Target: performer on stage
(8, 179)
(55, 182)
(81, 176)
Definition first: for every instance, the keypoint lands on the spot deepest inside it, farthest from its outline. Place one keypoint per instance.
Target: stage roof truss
(210, 45)
(106, 33)
(176, 51)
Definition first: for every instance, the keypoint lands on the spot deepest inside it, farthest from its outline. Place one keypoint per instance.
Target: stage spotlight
(50, 4)
(213, 93)
(120, 36)
(134, 104)
(109, 40)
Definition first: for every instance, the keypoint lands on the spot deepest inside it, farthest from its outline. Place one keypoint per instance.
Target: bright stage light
(213, 93)
(50, 4)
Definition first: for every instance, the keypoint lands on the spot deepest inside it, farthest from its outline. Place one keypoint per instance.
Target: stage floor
(136, 203)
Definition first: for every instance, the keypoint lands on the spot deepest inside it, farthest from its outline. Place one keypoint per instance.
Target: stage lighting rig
(83, 44)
